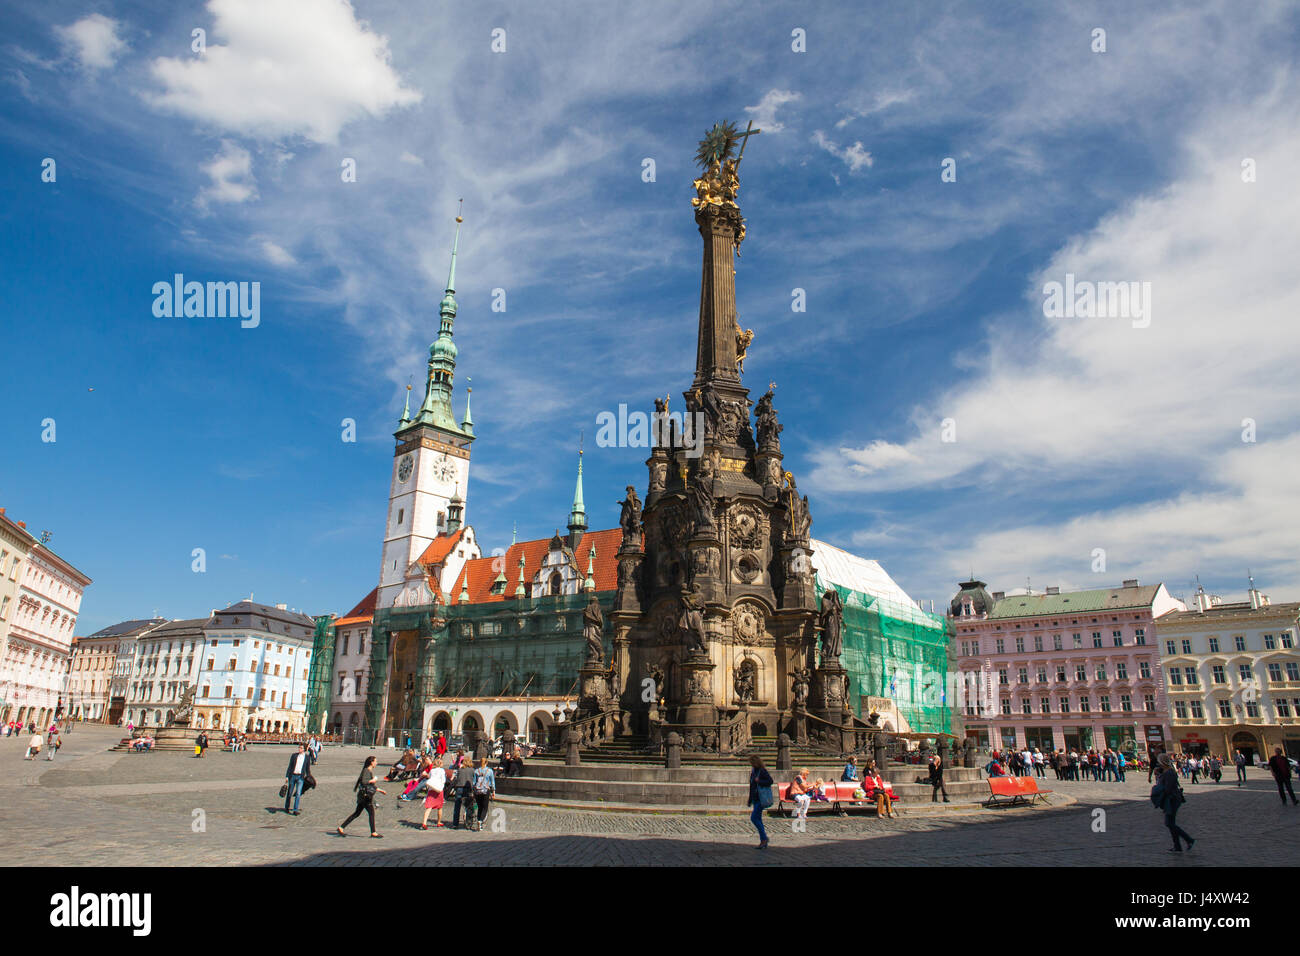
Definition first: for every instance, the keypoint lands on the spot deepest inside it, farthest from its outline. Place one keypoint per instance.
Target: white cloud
(854, 156)
(277, 254)
(764, 114)
(231, 172)
(883, 101)
(92, 40)
(285, 68)
(411, 158)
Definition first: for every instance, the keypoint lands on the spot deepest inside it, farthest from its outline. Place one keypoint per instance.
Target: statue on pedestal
(593, 623)
(802, 681)
(768, 428)
(690, 625)
(630, 518)
(702, 497)
(832, 623)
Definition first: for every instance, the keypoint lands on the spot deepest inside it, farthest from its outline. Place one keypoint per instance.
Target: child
(819, 791)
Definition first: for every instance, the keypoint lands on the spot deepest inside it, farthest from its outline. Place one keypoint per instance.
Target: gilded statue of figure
(593, 625)
(743, 338)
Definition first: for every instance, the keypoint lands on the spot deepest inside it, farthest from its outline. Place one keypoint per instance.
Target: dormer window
(557, 583)
(967, 608)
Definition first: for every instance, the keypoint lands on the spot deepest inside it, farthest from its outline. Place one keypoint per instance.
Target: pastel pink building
(1078, 669)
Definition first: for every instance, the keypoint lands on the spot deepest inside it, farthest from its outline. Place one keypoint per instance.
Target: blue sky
(924, 297)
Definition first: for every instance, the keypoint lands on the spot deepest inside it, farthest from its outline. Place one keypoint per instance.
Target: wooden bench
(838, 794)
(1013, 790)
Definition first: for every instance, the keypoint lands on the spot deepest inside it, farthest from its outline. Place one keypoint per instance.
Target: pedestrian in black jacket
(1168, 796)
(936, 780)
(759, 780)
(296, 776)
(1281, 768)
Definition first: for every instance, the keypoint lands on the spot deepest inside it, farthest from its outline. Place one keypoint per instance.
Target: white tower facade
(430, 478)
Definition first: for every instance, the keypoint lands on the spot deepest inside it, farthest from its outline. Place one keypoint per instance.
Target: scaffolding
(526, 647)
(319, 680)
(897, 651)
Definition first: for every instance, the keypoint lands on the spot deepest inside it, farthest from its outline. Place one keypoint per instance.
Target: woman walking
(433, 798)
(760, 796)
(1168, 796)
(366, 788)
(485, 785)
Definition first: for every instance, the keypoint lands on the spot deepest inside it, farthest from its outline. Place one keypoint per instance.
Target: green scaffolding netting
(319, 679)
(531, 647)
(896, 651)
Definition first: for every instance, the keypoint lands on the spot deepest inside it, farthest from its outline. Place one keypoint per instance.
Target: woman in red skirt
(433, 797)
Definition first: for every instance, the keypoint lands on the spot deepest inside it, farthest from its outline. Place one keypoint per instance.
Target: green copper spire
(590, 583)
(578, 515)
(467, 425)
(406, 413)
(519, 591)
(436, 408)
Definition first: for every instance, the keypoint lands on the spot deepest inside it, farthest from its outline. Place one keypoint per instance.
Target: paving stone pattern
(89, 807)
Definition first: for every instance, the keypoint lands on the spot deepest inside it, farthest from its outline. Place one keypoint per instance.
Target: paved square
(90, 807)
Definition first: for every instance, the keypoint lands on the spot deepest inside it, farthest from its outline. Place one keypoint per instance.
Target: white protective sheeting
(837, 566)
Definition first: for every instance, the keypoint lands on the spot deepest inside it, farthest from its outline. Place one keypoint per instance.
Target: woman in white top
(433, 799)
(33, 747)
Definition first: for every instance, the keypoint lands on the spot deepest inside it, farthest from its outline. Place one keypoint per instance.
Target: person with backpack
(760, 796)
(485, 785)
(1167, 796)
(365, 788)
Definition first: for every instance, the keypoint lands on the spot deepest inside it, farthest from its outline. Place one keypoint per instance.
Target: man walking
(201, 743)
(462, 788)
(936, 780)
(1240, 761)
(55, 743)
(1281, 768)
(295, 776)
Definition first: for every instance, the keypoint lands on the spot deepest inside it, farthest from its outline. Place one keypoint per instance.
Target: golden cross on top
(744, 139)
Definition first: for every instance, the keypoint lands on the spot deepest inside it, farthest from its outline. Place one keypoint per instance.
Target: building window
(1038, 642)
(1060, 673)
(1283, 708)
(1078, 640)
(248, 695)
(1006, 706)
(1292, 670)
(1225, 709)
(1214, 645)
(1117, 638)
(1275, 672)
(1239, 642)
(1175, 676)
(1149, 702)
(229, 691)
(1198, 712)
(207, 690)
(1056, 642)
(1171, 647)
(1020, 645)
(343, 676)
(1080, 672)
(1096, 639)
(1023, 675)
(1216, 671)
(1126, 703)
(1243, 671)
(1042, 675)
(1045, 704)
(1002, 675)
(1001, 648)
(1065, 705)
(1121, 671)
(1269, 643)
(1144, 669)
(1286, 639)
(231, 666)
(1192, 679)
(1140, 636)
(1180, 709)
(1101, 672)
(1105, 703)
(1252, 709)
(1187, 647)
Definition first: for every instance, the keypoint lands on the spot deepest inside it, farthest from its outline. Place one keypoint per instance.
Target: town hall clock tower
(430, 478)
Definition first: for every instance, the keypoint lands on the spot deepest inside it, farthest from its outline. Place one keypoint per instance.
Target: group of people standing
(471, 787)
(37, 743)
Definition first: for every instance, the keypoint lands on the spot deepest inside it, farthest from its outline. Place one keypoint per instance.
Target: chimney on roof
(1054, 589)
(22, 524)
(1131, 583)
(1202, 600)
(283, 607)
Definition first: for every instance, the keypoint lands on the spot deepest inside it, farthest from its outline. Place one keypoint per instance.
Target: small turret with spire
(578, 513)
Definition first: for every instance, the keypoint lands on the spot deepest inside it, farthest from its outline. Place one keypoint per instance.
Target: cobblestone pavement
(90, 807)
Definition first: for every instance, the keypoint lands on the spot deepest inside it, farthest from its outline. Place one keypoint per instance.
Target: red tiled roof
(440, 547)
(363, 613)
(481, 572)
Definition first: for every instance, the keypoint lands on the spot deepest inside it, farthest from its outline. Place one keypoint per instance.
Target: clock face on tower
(404, 468)
(445, 469)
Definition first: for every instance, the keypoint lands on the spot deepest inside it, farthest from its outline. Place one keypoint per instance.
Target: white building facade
(166, 665)
(1232, 671)
(38, 646)
(254, 669)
